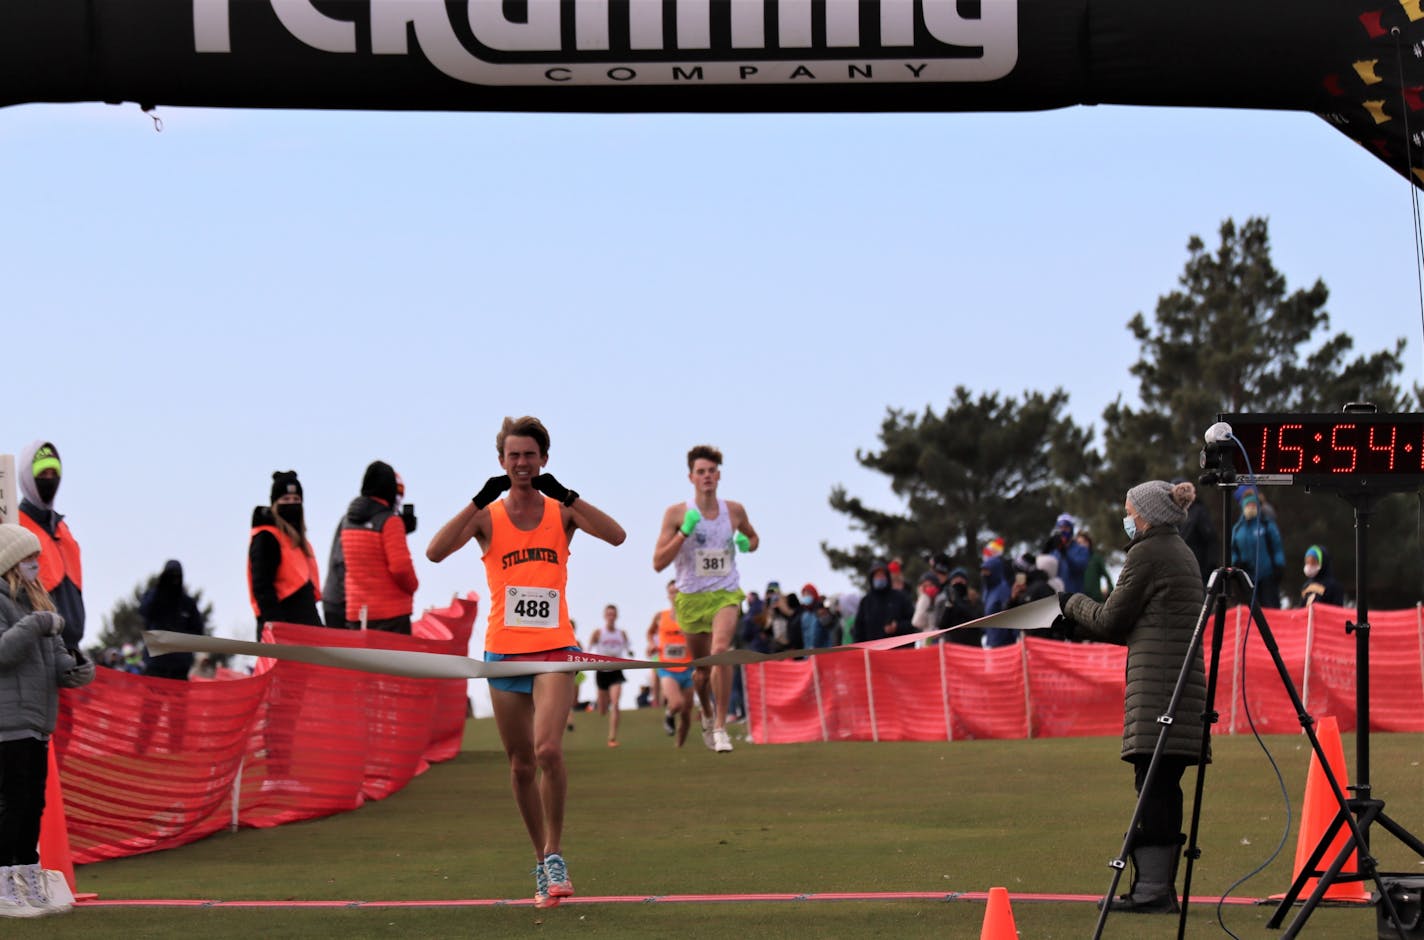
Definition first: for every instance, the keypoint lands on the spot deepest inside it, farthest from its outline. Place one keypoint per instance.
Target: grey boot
(1154, 881)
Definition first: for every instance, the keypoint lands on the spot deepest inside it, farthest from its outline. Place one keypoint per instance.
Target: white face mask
(1311, 570)
(1129, 525)
(30, 569)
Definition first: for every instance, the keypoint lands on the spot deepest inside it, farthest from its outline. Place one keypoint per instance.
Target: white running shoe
(720, 742)
(707, 738)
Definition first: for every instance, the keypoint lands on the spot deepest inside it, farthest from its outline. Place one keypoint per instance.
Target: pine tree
(1232, 339)
(984, 466)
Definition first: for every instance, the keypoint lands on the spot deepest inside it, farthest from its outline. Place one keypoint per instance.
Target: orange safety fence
(149, 764)
(1044, 688)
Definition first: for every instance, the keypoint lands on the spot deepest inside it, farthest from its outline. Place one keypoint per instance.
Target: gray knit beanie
(1156, 503)
(16, 544)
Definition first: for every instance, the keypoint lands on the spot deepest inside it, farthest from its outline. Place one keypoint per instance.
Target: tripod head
(1217, 462)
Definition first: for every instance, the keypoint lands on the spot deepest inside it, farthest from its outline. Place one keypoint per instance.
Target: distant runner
(676, 682)
(703, 536)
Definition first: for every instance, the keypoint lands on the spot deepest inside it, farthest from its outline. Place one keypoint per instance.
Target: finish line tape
(413, 664)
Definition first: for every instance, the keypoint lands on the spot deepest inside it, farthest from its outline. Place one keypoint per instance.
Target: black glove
(491, 490)
(552, 488)
(1063, 601)
(1062, 628)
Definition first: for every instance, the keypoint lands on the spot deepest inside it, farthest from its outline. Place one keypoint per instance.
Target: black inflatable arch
(1359, 64)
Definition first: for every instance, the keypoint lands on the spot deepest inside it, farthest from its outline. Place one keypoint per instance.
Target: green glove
(689, 521)
(743, 543)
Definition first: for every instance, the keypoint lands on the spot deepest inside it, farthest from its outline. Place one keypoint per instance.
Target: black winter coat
(1153, 611)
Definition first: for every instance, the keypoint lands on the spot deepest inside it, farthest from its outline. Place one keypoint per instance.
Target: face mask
(30, 570)
(46, 487)
(292, 512)
(807, 599)
(1312, 570)
(1249, 511)
(960, 589)
(1129, 525)
(879, 584)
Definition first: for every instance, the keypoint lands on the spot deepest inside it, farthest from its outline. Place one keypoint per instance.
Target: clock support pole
(1361, 811)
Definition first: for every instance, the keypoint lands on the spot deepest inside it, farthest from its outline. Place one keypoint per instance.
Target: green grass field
(646, 820)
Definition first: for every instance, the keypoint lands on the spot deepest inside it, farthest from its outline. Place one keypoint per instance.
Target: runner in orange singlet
(525, 538)
(676, 681)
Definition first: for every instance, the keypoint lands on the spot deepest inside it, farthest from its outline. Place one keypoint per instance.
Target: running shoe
(668, 725)
(542, 898)
(558, 871)
(707, 734)
(720, 742)
(612, 743)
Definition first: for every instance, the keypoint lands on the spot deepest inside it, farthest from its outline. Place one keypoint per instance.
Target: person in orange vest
(61, 573)
(282, 578)
(380, 576)
(524, 539)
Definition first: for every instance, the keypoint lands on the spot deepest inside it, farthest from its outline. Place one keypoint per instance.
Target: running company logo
(653, 42)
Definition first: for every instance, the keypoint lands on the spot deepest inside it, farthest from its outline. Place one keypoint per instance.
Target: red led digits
(1386, 449)
(1351, 450)
(1289, 448)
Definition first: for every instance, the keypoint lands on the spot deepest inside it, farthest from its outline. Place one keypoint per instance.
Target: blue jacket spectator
(1072, 557)
(997, 590)
(1256, 549)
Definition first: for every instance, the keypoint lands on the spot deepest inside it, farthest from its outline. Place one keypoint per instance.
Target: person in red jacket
(380, 577)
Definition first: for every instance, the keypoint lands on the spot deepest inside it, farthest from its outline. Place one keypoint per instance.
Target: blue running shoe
(558, 873)
(542, 898)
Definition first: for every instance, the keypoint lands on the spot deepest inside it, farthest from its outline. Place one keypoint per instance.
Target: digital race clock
(1352, 449)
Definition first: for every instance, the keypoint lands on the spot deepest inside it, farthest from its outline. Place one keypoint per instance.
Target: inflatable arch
(1359, 64)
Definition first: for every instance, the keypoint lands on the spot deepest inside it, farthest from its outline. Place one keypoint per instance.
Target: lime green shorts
(694, 612)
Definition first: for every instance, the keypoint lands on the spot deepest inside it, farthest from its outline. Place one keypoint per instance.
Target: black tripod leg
(1209, 718)
(1366, 862)
(1214, 585)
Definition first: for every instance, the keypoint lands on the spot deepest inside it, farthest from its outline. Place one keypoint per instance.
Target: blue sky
(250, 291)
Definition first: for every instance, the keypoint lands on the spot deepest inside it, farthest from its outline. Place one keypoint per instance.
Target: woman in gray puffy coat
(33, 665)
(1153, 611)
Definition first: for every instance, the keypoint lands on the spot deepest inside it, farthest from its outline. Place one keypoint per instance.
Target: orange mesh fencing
(1043, 688)
(149, 764)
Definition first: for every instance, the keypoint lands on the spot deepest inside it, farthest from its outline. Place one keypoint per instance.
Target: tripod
(1218, 589)
(1361, 807)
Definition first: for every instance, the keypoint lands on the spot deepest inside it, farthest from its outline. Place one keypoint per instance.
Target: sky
(250, 291)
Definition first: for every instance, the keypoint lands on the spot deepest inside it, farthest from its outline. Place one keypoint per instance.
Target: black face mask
(292, 513)
(47, 487)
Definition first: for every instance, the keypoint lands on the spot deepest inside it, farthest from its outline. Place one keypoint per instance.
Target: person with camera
(1072, 556)
(376, 575)
(1153, 611)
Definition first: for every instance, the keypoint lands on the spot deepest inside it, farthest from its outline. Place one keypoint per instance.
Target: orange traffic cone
(998, 917)
(54, 830)
(1318, 812)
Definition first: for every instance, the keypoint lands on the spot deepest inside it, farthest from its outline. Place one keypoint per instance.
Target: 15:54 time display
(1332, 449)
